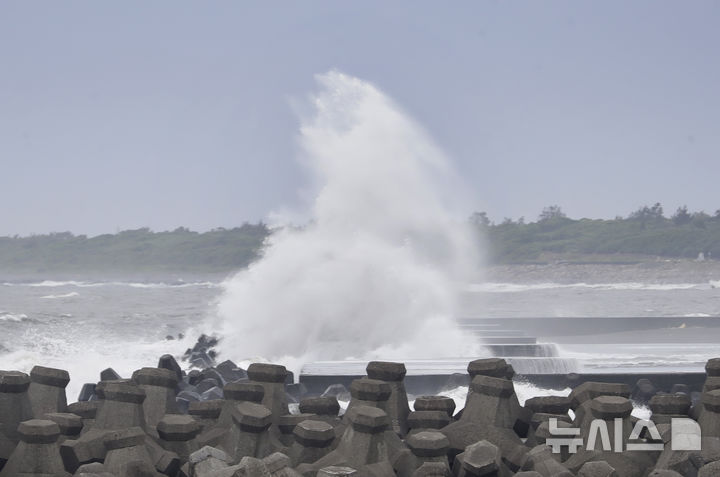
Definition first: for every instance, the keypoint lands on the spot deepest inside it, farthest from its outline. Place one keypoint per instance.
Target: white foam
(64, 295)
(525, 391)
(6, 316)
(84, 284)
(374, 273)
(85, 358)
(490, 287)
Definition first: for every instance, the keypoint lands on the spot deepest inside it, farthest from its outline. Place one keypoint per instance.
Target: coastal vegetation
(645, 234)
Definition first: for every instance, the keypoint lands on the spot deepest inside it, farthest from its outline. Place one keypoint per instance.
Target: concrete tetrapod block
(206, 413)
(582, 395)
(540, 459)
(70, 424)
(15, 408)
(177, 433)
(464, 433)
(287, 424)
(207, 460)
(363, 445)
(683, 462)
(159, 385)
(126, 454)
(427, 420)
(709, 419)
(249, 434)
(336, 471)
(492, 401)
(320, 405)
(597, 469)
(47, 390)
(435, 403)
(609, 416)
(537, 434)
(665, 473)
(711, 469)
(548, 404)
(278, 464)
(37, 453)
(95, 469)
(313, 440)
(87, 410)
(397, 406)
(122, 406)
(427, 447)
(665, 407)
(234, 393)
(493, 367)
(272, 378)
(478, 460)
(368, 392)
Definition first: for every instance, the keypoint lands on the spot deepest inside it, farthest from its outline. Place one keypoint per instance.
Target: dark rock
(87, 392)
(212, 373)
(230, 371)
(109, 374)
(167, 361)
(194, 377)
(206, 384)
(212, 394)
(189, 396)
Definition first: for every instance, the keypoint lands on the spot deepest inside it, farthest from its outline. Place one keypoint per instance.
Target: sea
(87, 324)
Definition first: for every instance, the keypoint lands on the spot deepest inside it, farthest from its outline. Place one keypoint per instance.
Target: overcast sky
(125, 114)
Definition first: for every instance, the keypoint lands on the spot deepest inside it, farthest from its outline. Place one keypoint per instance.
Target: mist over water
(377, 270)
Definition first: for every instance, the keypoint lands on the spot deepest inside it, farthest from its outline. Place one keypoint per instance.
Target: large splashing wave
(377, 270)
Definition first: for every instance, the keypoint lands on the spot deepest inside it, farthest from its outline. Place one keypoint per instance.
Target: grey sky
(166, 113)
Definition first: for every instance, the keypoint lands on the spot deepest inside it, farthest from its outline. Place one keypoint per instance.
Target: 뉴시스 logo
(685, 435)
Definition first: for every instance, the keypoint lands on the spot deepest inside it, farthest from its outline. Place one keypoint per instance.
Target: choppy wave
(6, 316)
(493, 287)
(64, 295)
(85, 358)
(85, 284)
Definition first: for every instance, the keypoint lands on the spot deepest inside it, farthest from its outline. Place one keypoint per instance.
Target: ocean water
(85, 326)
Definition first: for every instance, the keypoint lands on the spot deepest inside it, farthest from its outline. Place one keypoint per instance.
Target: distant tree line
(645, 231)
(135, 250)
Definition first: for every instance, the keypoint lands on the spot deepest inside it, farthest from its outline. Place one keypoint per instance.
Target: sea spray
(376, 271)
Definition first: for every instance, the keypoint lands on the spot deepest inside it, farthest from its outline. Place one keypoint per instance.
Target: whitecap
(491, 287)
(5, 316)
(65, 295)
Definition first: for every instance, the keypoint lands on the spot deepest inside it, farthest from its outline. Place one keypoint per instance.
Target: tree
(648, 213)
(480, 219)
(551, 212)
(682, 216)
